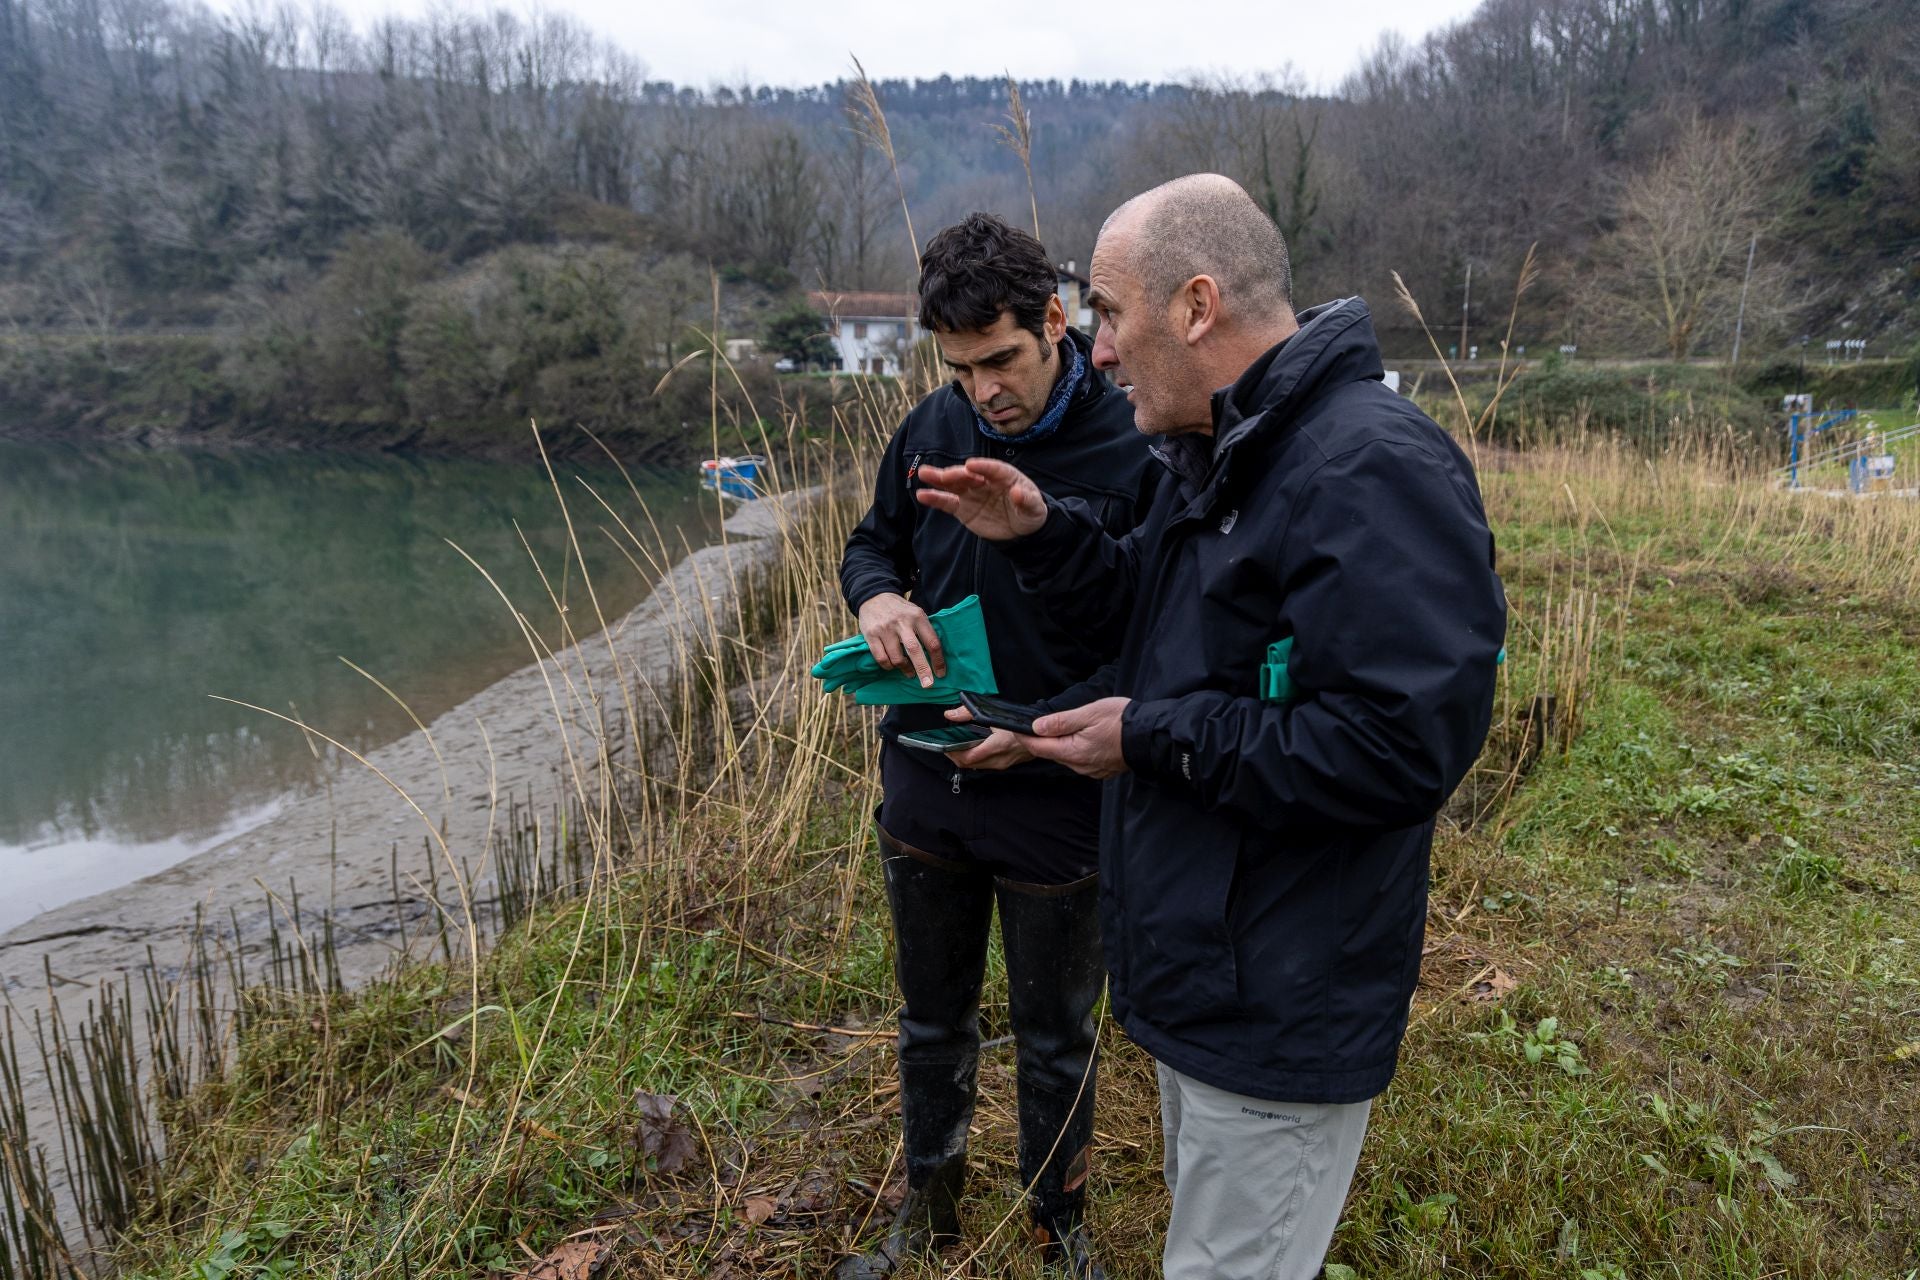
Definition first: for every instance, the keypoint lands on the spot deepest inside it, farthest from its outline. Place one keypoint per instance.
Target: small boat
(734, 477)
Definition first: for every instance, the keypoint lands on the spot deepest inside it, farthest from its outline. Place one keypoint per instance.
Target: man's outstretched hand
(992, 499)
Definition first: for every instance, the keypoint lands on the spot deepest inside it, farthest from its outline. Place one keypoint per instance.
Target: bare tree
(847, 241)
(1261, 131)
(85, 294)
(675, 294)
(765, 196)
(1670, 271)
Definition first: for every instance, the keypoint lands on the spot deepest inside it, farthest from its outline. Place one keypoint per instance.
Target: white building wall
(862, 340)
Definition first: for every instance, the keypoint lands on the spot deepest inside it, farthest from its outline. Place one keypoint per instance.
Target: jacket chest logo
(1232, 518)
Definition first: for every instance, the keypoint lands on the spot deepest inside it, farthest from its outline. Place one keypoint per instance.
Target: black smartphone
(952, 737)
(999, 713)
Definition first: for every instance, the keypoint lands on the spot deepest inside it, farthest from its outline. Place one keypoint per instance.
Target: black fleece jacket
(1095, 457)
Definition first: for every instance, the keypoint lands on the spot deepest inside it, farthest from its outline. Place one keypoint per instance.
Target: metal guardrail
(1842, 452)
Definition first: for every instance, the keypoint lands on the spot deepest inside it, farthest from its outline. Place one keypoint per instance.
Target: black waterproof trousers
(942, 907)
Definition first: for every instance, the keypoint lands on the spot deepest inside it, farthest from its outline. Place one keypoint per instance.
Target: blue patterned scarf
(1056, 411)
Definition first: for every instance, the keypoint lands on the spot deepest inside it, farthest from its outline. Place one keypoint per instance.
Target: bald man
(1311, 622)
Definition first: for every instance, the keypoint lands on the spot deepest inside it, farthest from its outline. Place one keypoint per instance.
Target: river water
(135, 584)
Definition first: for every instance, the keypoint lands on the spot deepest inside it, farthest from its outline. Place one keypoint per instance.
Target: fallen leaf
(1908, 1050)
(814, 1195)
(534, 1129)
(760, 1208)
(574, 1260)
(461, 1095)
(1494, 986)
(665, 1141)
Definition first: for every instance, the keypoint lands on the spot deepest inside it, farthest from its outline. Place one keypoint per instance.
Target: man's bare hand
(901, 638)
(1085, 739)
(1001, 751)
(995, 501)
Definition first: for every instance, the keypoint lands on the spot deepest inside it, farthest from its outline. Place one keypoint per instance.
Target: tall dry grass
(1720, 504)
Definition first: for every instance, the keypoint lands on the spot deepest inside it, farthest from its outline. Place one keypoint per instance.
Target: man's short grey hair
(1206, 225)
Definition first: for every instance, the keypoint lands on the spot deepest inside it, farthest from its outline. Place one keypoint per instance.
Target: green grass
(1669, 1022)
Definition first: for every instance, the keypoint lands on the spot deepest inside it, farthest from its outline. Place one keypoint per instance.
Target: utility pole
(1466, 302)
(1741, 319)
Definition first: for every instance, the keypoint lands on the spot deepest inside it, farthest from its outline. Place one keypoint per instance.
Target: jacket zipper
(1150, 591)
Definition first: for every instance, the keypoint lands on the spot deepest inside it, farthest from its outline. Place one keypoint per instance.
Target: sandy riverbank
(512, 739)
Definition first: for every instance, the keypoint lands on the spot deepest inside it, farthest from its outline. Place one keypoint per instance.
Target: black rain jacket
(1263, 865)
(1095, 456)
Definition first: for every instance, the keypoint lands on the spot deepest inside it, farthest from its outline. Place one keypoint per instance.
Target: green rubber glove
(841, 655)
(962, 629)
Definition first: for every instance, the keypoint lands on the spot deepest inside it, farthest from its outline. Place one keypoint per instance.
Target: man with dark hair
(1312, 623)
(954, 839)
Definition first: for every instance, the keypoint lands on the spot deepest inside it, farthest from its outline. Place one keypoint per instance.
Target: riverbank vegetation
(1655, 403)
(387, 346)
(1665, 1025)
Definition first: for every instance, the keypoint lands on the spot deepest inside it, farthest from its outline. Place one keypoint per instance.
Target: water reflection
(133, 584)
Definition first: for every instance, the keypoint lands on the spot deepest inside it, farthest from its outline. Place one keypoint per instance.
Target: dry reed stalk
(1529, 275)
(1471, 425)
(1413, 308)
(873, 123)
(1017, 136)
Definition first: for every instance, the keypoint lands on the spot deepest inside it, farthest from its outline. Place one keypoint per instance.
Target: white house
(872, 332)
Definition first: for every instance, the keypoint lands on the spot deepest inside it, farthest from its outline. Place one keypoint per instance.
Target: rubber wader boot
(1051, 935)
(941, 913)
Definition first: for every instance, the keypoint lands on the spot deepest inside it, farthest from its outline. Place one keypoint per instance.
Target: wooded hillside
(383, 212)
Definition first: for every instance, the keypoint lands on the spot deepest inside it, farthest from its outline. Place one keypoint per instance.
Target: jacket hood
(1335, 344)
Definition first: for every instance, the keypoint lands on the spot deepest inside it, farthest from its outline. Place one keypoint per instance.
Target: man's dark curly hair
(976, 269)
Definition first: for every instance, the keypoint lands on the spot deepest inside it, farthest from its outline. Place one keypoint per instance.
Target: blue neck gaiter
(1056, 410)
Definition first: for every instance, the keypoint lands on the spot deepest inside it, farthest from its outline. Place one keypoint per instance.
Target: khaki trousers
(1257, 1185)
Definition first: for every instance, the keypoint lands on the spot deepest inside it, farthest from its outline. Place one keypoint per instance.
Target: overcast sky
(779, 42)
